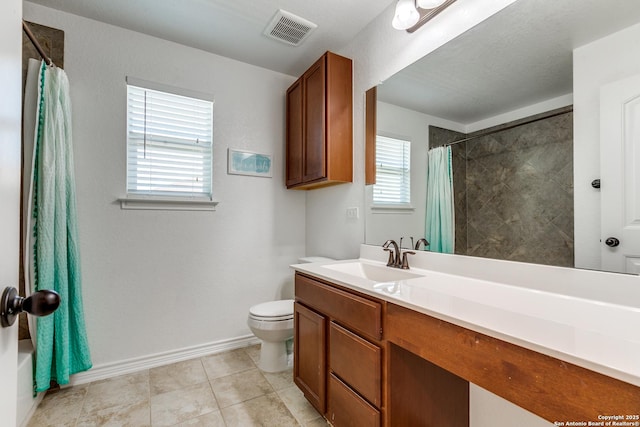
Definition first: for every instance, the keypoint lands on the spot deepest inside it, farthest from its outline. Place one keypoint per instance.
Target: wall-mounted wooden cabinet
(319, 129)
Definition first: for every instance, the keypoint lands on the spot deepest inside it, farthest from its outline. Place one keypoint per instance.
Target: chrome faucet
(397, 258)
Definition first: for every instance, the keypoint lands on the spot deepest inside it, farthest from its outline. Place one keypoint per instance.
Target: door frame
(10, 164)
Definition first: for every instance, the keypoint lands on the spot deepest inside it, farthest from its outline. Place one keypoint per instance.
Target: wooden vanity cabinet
(338, 352)
(319, 123)
(418, 373)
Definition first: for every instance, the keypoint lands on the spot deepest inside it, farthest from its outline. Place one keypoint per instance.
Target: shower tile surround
(514, 191)
(224, 389)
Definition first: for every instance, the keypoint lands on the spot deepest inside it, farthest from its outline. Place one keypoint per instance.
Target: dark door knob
(41, 303)
(612, 242)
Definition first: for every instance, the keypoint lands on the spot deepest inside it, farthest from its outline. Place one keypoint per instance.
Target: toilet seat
(271, 319)
(272, 311)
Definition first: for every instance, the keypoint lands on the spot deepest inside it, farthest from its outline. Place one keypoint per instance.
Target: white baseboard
(141, 363)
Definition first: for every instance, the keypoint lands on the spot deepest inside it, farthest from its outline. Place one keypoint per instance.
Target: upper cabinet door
(294, 136)
(314, 119)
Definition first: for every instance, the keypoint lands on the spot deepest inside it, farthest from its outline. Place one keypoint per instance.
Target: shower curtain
(52, 239)
(440, 219)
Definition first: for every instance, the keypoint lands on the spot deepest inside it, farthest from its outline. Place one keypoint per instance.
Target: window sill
(167, 203)
(392, 209)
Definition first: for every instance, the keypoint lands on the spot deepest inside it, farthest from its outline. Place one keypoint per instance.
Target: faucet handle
(391, 260)
(405, 261)
(423, 240)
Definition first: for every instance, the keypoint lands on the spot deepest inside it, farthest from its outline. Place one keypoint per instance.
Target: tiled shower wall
(514, 191)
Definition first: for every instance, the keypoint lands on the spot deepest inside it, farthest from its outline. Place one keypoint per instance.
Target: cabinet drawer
(347, 408)
(356, 361)
(359, 314)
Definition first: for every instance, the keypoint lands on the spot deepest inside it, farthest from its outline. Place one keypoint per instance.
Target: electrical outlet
(352, 213)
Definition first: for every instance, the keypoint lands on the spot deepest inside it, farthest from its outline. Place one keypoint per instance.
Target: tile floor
(224, 389)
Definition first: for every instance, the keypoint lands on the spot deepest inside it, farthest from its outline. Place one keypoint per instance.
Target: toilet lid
(273, 309)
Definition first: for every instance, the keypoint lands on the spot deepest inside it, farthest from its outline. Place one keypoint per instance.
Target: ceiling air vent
(289, 28)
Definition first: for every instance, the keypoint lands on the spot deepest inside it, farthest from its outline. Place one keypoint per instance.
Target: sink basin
(372, 272)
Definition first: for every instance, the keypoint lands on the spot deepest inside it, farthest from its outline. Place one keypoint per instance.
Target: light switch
(352, 213)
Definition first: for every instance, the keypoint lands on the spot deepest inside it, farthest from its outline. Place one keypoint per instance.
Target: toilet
(272, 323)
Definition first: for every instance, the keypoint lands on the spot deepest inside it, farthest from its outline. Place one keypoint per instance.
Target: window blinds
(393, 157)
(169, 144)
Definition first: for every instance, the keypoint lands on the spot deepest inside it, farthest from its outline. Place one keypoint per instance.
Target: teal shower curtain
(440, 218)
(61, 347)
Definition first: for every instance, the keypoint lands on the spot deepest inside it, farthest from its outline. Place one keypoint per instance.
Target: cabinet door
(309, 362)
(314, 81)
(294, 134)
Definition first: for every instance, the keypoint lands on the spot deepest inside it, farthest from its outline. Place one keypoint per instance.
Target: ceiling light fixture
(406, 15)
(412, 14)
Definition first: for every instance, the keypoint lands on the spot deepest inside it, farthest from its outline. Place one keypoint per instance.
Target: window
(393, 182)
(169, 143)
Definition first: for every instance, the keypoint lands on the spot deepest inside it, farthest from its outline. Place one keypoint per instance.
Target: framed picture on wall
(242, 162)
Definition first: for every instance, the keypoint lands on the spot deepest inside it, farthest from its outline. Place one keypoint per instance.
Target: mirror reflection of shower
(513, 189)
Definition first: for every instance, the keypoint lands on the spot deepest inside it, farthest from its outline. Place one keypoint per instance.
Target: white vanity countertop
(590, 319)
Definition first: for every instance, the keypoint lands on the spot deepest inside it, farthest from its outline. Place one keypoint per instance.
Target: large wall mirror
(506, 96)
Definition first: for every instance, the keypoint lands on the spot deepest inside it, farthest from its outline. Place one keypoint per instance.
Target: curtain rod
(526, 122)
(35, 43)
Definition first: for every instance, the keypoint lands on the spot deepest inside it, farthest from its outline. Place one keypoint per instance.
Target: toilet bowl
(272, 323)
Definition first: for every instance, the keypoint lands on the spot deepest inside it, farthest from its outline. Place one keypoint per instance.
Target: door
(620, 175)
(10, 117)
